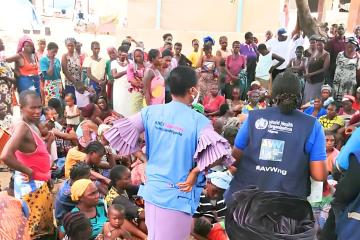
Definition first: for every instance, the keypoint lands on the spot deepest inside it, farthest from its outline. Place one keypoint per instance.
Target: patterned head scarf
(22, 41)
(70, 40)
(78, 188)
(209, 39)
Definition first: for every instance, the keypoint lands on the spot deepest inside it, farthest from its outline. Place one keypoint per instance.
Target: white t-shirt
(97, 67)
(83, 99)
(263, 66)
(285, 49)
(280, 48)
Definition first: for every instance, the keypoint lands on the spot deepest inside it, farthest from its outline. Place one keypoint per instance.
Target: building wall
(260, 15)
(141, 14)
(205, 15)
(199, 15)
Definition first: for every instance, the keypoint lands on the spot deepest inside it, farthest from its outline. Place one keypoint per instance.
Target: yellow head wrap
(78, 188)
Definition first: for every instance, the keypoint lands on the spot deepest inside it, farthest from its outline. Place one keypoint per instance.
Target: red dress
(213, 105)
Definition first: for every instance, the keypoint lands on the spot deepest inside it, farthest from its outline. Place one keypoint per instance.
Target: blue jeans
(28, 83)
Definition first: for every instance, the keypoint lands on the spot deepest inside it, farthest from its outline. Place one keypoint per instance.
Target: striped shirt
(212, 209)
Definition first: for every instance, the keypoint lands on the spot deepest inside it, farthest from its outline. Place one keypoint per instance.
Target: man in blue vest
(279, 148)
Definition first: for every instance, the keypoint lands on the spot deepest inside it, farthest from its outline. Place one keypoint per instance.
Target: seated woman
(87, 129)
(253, 104)
(213, 102)
(235, 102)
(227, 118)
(121, 192)
(326, 97)
(106, 113)
(63, 202)
(85, 193)
(91, 155)
(347, 111)
(317, 110)
(348, 114)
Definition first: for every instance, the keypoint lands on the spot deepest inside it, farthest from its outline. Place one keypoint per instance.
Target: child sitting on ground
(204, 230)
(211, 203)
(113, 230)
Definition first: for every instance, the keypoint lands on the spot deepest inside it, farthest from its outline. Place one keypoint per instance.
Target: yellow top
(194, 58)
(74, 156)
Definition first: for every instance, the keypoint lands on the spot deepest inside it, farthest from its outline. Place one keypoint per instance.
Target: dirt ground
(4, 180)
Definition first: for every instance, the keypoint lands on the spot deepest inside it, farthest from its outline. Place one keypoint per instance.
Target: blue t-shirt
(63, 202)
(44, 66)
(310, 110)
(315, 144)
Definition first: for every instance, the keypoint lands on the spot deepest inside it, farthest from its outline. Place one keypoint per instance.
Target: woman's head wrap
(209, 39)
(78, 188)
(22, 42)
(326, 87)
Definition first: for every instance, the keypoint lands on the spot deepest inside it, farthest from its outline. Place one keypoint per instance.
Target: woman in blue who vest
(344, 221)
(279, 148)
(180, 144)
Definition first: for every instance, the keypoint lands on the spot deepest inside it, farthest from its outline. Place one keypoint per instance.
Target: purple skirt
(165, 224)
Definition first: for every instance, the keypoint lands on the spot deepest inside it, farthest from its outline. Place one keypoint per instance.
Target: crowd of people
(159, 145)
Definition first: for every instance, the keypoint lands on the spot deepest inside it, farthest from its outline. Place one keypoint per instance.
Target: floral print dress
(74, 68)
(5, 88)
(345, 75)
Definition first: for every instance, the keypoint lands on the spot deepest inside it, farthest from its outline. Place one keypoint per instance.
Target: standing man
(334, 46)
(195, 55)
(279, 148)
(27, 154)
(180, 58)
(249, 49)
(281, 47)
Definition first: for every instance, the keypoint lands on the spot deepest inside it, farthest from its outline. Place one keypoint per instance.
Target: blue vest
(348, 222)
(171, 133)
(275, 158)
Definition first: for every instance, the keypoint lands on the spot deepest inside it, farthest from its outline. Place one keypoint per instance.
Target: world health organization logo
(261, 123)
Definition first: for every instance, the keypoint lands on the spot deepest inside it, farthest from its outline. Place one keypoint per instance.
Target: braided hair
(95, 146)
(75, 224)
(286, 91)
(79, 171)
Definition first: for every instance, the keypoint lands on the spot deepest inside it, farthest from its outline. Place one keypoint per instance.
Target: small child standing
(113, 230)
(72, 112)
(82, 94)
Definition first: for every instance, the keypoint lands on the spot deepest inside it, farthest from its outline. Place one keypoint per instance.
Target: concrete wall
(260, 15)
(141, 14)
(199, 15)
